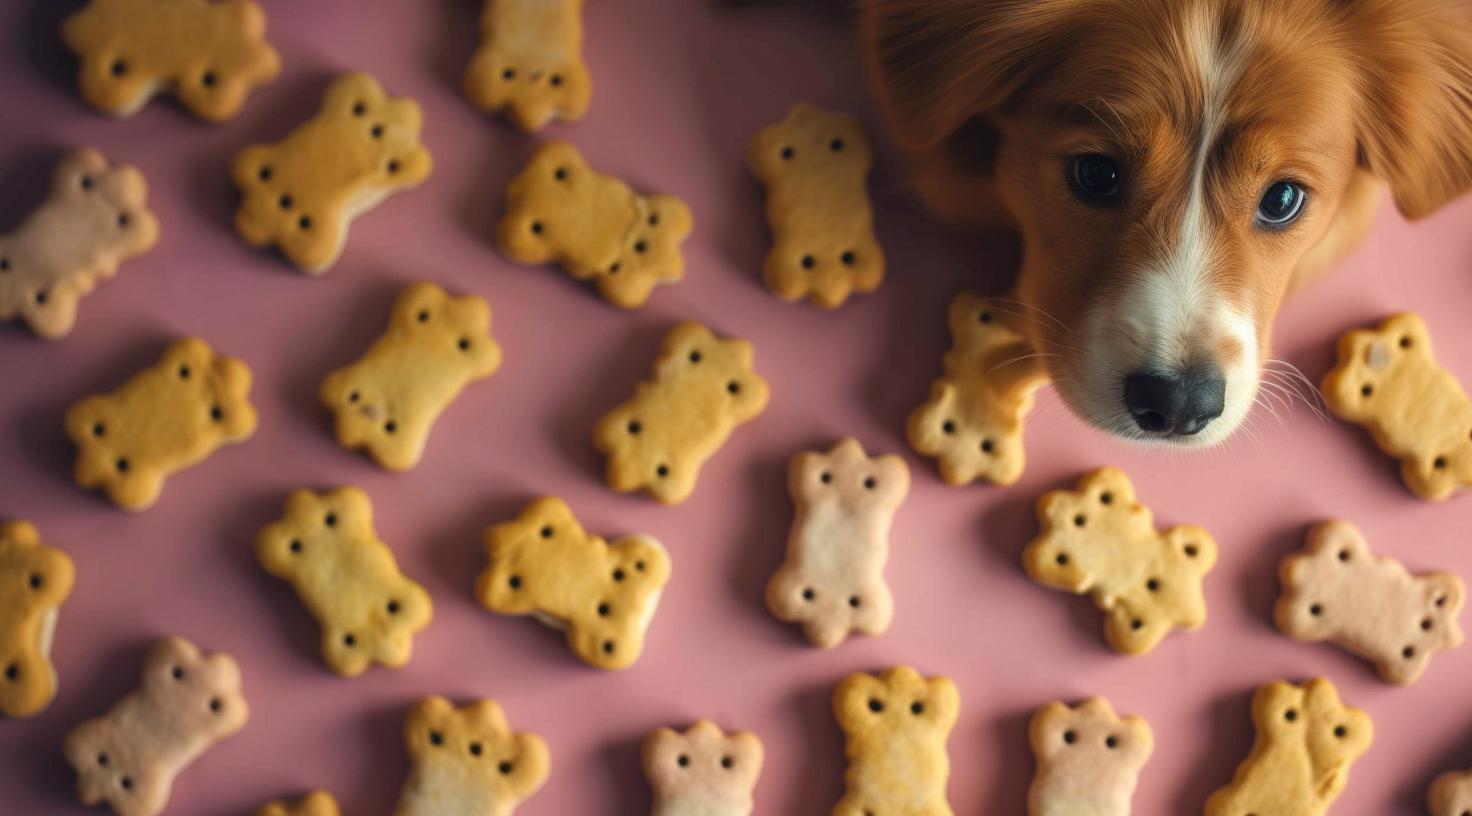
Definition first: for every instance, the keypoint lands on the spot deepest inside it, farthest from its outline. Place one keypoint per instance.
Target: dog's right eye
(1096, 179)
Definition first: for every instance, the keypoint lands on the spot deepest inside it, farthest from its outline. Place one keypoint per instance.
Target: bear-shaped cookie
(1088, 759)
(34, 582)
(530, 62)
(895, 727)
(467, 761)
(702, 771)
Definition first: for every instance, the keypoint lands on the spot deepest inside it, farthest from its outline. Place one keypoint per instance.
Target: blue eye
(1096, 179)
(1281, 204)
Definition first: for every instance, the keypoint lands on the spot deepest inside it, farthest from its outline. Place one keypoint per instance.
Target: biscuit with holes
(1088, 759)
(530, 62)
(602, 595)
(168, 417)
(211, 55)
(833, 579)
(1388, 381)
(96, 218)
(301, 193)
(130, 757)
(1099, 540)
(316, 803)
(1307, 741)
(972, 423)
(468, 761)
(813, 164)
(702, 771)
(326, 548)
(34, 582)
(1451, 794)
(703, 388)
(560, 210)
(895, 727)
(435, 345)
(1337, 590)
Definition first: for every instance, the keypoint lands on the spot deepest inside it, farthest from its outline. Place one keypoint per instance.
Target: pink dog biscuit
(702, 771)
(130, 757)
(210, 54)
(1089, 759)
(1451, 794)
(1337, 590)
(301, 193)
(34, 582)
(530, 62)
(316, 803)
(467, 762)
(896, 725)
(833, 580)
(97, 217)
(972, 424)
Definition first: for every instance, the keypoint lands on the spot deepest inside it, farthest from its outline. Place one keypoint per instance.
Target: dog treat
(560, 210)
(813, 164)
(602, 595)
(833, 580)
(130, 757)
(435, 345)
(467, 761)
(97, 217)
(972, 424)
(301, 193)
(34, 582)
(702, 771)
(896, 725)
(1089, 759)
(703, 388)
(1099, 540)
(1388, 381)
(325, 546)
(166, 418)
(210, 54)
(1306, 742)
(530, 62)
(1337, 590)
(316, 803)
(1451, 794)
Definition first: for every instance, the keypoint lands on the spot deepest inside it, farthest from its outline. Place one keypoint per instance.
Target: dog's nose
(1176, 403)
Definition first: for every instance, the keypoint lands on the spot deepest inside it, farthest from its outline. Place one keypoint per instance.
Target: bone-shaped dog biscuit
(1088, 759)
(896, 726)
(130, 757)
(702, 771)
(468, 761)
(316, 803)
(325, 546)
(300, 194)
(530, 62)
(813, 164)
(1337, 590)
(1451, 794)
(435, 345)
(1099, 540)
(34, 582)
(833, 579)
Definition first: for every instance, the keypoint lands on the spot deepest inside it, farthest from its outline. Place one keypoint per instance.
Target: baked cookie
(896, 725)
(1088, 759)
(468, 761)
(34, 582)
(530, 62)
(702, 771)
(1451, 794)
(316, 803)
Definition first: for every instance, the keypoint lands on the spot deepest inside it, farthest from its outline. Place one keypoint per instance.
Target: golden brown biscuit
(702, 771)
(896, 725)
(34, 582)
(1088, 757)
(316, 803)
(468, 761)
(1451, 794)
(530, 62)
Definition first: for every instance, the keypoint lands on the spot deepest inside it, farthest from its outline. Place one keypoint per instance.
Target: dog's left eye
(1281, 204)
(1096, 179)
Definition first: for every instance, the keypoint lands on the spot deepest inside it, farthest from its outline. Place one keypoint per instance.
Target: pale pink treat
(1088, 758)
(130, 757)
(96, 218)
(833, 580)
(1451, 794)
(1337, 590)
(702, 771)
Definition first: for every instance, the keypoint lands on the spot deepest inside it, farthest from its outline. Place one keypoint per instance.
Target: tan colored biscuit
(468, 761)
(1089, 759)
(1099, 540)
(1337, 590)
(209, 54)
(316, 803)
(896, 725)
(301, 193)
(1451, 794)
(130, 757)
(560, 210)
(602, 595)
(814, 163)
(1307, 740)
(169, 416)
(833, 579)
(530, 62)
(97, 217)
(703, 388)
(435, 345)
(34, 582)
(972, 424)
(325, 546)
(1388, 381)
(702, 771)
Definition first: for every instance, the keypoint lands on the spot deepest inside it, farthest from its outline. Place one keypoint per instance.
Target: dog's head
(1170, 166)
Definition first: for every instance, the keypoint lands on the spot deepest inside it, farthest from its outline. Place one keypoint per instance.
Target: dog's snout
(1175, 403)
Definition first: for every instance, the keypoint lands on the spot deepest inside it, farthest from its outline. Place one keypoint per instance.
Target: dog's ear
(1416, 83)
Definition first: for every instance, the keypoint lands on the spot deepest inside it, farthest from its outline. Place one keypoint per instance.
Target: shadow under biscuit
(1226, 741)
(38, 41)
(758, 548)
(821, 754)
(1008, 790)
(622, 759)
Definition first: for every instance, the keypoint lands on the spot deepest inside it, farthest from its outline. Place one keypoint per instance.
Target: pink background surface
(680, 87)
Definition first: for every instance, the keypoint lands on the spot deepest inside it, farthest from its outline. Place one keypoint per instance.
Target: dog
(1173, 169)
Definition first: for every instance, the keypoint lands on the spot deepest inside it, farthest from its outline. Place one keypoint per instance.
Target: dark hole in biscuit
(1439, 463)
(847, 258)
(1080, 520)
(208, 78)
(987, 446)
(4, 264)
(870, 483)
(123, 220)
(99, 429)
(436, 738)
(505, 768)
(123, 465)
(391, 426)
(1191, 550)
(808, 594)
(515, 582)
(178, 673)
(853, 601)
(1153, 584)
(464, 344)
(1367, 390)
(393, 166)
(608, 647)
(683, 761)
(917, 708)
(640, 247)
(284, 202)
(475, 749)
(423, 316)
(825, 477)
(1344, 555)
(560, 174)
(639, 565)
(1062, 559)
(787, 153)
(376, 132)
(835, 145)
(296, 545)
(1316, 610)
(1440, 601)
(359, 109)
(635, 426)
(604, 610)
(1426, 624)
(126, 782)
(331, 520)
(184, 372)
(86, 182)
(1405, 342)
(949, 427)
(41, 297)
(305, 222)
(102, 760)
(216, 705)
(349, 640)
(695, 357)
(216, 414)
(1408, 652)
(1111, 742)
(618, 575)
(265, 173)
(546, 532)
(662, 470)
(509, 73)
(1291, 714)
(36, 582)
(119, 67)
(808, 262)
(537, 227)
(727, 762)
(1106, 498)
(613, 270)
(393, 607)
(733, 387)
(654, 219)
(1070, 737)
(1137, 624)
(876, 705)
(12, 672)
(1340, 731)
(985, 317)
(556, 80)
